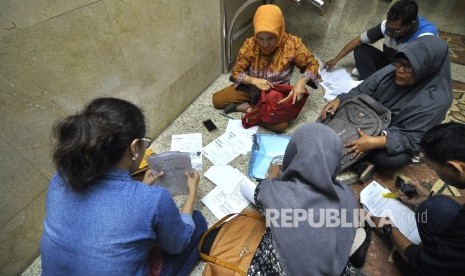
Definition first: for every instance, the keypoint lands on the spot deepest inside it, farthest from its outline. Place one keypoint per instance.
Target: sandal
(230, 108)
(357, 259)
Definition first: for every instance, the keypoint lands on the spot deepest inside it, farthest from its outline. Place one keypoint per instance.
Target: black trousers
(382, 160)
(368, 60)
(433, 216)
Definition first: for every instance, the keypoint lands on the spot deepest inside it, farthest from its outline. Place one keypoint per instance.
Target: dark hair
(90, 142)
(445, 142)
(405, 10)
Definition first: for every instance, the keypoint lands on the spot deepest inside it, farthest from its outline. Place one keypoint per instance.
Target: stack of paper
(226, 197)
(336, 81)
(403, 218)
(190, 143)
(236, 140)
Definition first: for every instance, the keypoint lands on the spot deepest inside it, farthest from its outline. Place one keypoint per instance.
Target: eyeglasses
(393, 31)
(146, 142)
(403, 63)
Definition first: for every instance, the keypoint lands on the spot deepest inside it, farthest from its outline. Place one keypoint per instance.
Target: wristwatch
(386, 231)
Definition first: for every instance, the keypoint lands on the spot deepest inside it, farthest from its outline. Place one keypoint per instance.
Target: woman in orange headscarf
(266, 58)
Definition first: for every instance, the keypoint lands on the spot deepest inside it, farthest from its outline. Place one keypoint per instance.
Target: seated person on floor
(308, 246)
(440, 218)
(98, 220)
(266, 58)
(416, 89)
(403, 25)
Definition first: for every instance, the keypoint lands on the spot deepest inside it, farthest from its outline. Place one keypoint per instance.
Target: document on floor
(225, 148)
(236, 126)
(336, 81)
(190, 143)
(226, 197)
(377, 205)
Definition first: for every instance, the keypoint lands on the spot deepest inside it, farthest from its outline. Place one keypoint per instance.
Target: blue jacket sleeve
(174, 230)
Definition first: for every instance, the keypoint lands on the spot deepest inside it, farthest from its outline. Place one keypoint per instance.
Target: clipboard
(264, 148)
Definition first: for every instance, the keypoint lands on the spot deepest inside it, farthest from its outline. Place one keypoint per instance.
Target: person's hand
(331, 108)
(361, 145)
(262, 84)
(379, 222)
(330, 64)
(192, 180)
(421, 195)
(274, 171)
(296, 94)
(150, 178)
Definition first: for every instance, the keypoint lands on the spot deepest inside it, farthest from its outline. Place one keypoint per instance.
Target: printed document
(402, 216)
(336, 81)
(190, 143)
(225, 176)
(226, 197)
(225, 148)
(236, 127)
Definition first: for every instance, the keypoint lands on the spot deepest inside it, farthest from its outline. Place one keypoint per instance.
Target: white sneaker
(355, 73)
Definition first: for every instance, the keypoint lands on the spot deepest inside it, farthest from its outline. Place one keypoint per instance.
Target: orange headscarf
(269, 18)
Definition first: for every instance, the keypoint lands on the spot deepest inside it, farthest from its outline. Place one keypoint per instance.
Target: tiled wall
(55, 56)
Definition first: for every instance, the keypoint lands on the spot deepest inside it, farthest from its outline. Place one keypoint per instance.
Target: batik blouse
(278, 66)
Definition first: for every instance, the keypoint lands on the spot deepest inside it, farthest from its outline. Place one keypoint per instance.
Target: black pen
(227, 116)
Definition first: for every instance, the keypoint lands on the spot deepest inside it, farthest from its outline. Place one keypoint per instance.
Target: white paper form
(225, 176)
(222, 203)
(225, 148)
(236, 127)
(190, 143)
(248, 187)
(336, 81)
(404, 218)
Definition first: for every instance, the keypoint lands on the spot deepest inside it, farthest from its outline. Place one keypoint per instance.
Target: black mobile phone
(408, 189)
(209, 125)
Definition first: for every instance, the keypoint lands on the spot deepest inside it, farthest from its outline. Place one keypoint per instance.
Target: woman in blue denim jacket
(101, 222)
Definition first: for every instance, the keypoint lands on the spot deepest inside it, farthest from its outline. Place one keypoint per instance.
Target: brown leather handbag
(230, 244)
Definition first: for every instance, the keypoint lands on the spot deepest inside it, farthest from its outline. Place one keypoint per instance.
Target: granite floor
(325, 36)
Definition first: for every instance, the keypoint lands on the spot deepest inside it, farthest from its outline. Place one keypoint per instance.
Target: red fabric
(155, 261)
(269, 111)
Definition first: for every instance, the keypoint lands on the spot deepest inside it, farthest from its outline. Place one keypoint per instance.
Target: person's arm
(308, 65)
(364, 144)
(173, 229)
(400, 242)
(192, 185)
(349, 47)
(244, 60)
(371, 36)
(398, 239)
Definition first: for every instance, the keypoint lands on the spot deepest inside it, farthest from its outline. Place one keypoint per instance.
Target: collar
(117, 173)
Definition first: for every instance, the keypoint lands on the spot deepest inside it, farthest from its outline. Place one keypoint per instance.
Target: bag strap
(375, 105)
(217, 261)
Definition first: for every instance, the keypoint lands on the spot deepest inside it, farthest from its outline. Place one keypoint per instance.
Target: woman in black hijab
(416, 89)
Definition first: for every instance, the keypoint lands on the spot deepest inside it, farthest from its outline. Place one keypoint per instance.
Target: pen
(227, 116)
